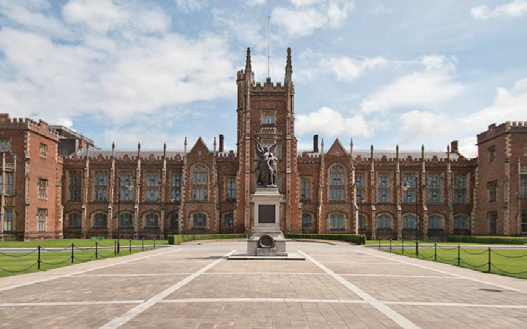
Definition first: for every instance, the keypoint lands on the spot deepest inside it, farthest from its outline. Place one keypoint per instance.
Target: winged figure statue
(267, 164)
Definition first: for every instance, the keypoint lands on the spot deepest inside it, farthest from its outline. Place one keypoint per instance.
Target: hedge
(353, 238)
(177, 239)
(487, 239)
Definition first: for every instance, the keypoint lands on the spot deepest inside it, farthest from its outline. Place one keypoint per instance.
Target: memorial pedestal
(266, 238)
(266, 241)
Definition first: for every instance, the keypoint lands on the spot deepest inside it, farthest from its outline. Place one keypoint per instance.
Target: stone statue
(267, 164)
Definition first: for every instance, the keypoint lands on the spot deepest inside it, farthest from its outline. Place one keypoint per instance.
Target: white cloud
(348, 69)
(27, 15)
(111, 77)
(332, 123)
(516, 8)
(429, 128)
(255, 2)
(241, 27)
(103, 16)
(307, 16)
(192, 5)
(431, 85)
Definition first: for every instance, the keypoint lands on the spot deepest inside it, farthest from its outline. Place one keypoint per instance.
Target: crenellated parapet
(268, 87)
(40, 127)
(306, 157)
(506, 127)
(230, 156)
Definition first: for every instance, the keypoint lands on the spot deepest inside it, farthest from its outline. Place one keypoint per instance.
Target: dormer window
(268, 118)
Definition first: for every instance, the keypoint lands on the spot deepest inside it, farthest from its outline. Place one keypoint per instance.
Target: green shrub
(353, 238)
(177, 239)
(487, 239)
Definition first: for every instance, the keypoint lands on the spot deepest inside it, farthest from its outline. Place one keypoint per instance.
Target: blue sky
(380, 72)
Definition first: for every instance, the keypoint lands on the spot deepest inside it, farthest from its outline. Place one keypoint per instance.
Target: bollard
(489, 260)
(96, 254)
(38, 257)
(143, 244)
(402, 247)
(130, 245)
(417, 248)
(435, 251)
(72, 253)
(154, 243)
(458, 255)
(379, 244)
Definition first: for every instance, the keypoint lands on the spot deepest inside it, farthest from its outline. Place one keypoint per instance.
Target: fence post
(379, 244)
(154, 243)
(402, 247)
(96, 249)
(417, 248)
(72, 256)
(114, 247)
(38, 257)
(390, 245)
(130, 246)
(435, 252)
(489, 260)
(143, 244)
(458, 255)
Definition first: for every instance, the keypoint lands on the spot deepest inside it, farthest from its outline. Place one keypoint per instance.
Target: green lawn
(66, 243)
(387, 242)
(504, 262)
(20, 263)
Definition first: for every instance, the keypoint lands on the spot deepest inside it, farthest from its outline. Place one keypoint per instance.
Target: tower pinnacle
(288, 68)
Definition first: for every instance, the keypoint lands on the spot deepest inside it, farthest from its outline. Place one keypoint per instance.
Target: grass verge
(504, 262)
(27, 262)
(79, 243)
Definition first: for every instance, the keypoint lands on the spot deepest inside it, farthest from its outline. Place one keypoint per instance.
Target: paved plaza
(194, 286)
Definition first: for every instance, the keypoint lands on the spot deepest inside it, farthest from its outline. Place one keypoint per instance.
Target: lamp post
(362, 200)
(406, 186)
(173, 201)
(128, 187)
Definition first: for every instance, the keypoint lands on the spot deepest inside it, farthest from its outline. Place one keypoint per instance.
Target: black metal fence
(73, 253)
(485, 259)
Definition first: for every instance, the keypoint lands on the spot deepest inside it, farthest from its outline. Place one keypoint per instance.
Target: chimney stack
(315, 144)
(454, 147)
(220, 149)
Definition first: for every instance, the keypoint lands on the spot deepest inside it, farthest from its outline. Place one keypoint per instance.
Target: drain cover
(491, 290)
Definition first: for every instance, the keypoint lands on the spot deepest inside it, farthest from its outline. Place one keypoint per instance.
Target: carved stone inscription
(266, 213)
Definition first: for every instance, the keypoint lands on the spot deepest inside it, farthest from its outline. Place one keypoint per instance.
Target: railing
(71, 254)
(491, 260)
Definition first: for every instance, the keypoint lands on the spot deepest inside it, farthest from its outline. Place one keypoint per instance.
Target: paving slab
(195, 286)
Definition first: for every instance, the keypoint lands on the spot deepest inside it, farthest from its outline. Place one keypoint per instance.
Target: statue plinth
(266, 238)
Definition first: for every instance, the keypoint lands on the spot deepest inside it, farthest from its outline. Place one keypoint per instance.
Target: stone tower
(266, 111)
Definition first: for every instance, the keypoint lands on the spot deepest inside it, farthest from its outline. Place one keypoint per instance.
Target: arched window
(228, 220)
(151, 219)
(307, 220)
(174, 220)
(199, 220)
(126, 219)
(199, 183)
(100, 220)
(336, 183)
(336, 221)
(460, 222)
(362, 222)
(409, 221)
(384, 222)
(435, 222)
(74, 219)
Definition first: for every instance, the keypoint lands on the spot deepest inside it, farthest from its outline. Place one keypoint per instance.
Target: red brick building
(30, 182)
(381, 193)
